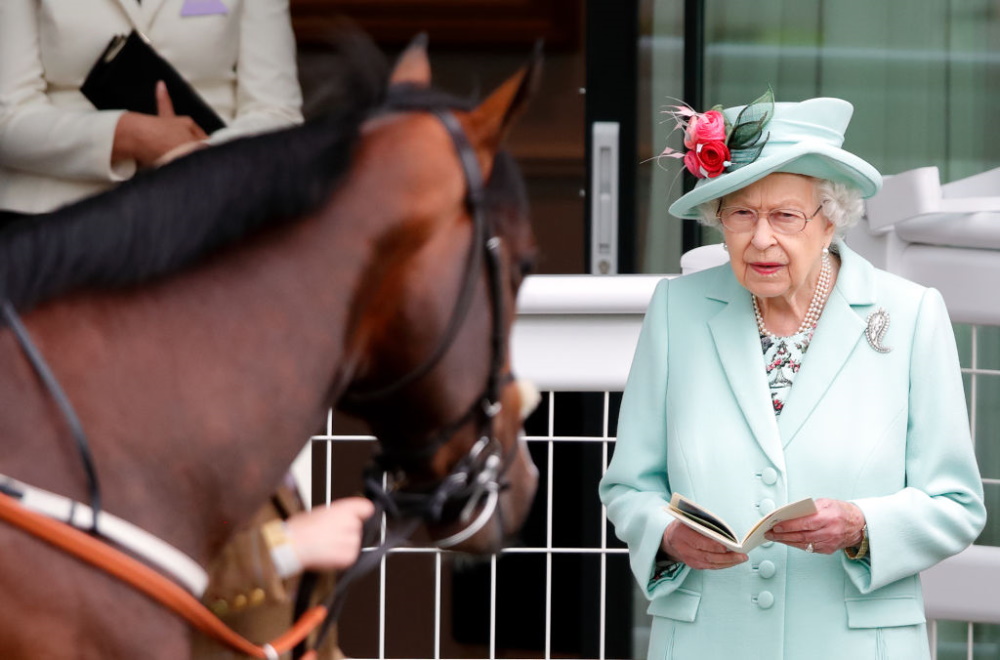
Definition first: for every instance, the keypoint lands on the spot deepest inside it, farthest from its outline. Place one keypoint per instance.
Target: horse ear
(489, 123)
(413, 67)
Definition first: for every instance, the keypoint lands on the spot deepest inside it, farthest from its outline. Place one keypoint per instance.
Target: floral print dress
(782, 360)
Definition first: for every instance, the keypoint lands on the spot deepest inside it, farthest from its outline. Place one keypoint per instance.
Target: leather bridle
(476, 478)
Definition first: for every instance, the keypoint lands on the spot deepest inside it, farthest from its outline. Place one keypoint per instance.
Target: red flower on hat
(713, 145)
(707, 159)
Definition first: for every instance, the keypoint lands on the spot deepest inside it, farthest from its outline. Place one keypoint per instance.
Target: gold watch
(283, 556)
(861, 551)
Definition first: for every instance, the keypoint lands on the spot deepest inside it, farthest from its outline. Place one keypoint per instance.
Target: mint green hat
(801, 138)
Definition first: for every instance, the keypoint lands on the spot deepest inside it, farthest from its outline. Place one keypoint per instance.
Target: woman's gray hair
(842, 205)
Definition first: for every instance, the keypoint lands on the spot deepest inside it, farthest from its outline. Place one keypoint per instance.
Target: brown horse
(202, 319)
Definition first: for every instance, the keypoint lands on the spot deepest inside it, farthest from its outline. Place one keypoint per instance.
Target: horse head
(201, 318)
(432, 320)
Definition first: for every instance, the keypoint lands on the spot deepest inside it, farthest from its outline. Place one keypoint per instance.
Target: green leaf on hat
(740, 157)
(749, 125)
(747, 138)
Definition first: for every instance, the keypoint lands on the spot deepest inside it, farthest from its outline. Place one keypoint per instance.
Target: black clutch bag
(125, 76)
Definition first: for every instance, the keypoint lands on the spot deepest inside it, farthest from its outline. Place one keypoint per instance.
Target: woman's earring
(826, 251)
(725, 248)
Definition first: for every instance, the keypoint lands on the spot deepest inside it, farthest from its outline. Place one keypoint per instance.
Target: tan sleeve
(242, 575)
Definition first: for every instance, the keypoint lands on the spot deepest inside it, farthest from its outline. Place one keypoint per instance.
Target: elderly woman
(796, 371)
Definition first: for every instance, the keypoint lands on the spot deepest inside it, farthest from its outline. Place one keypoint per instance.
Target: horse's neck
(198, 392)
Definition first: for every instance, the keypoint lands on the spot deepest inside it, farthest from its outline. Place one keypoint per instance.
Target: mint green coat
(887, 431)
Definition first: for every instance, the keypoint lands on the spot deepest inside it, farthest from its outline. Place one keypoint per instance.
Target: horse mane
(164, 220)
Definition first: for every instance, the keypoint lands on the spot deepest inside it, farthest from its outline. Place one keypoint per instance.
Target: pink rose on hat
(705, 127)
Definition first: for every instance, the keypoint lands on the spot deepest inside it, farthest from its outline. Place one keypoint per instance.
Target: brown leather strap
(148, 581)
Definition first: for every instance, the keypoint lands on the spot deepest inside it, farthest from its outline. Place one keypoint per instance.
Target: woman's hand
(147, 138)
(835, 525)
(330, 537)
(683, 544)
(178, 151)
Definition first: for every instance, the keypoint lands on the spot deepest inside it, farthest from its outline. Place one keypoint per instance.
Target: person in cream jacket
(56, 148)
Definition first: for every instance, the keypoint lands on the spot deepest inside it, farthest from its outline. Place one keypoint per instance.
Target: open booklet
(707, 523)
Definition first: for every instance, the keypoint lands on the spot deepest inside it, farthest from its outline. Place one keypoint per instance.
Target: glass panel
(986, 641)
(952, 640)
(661, 79)
(967, 384)
(987, 388)
(988, 347)
(963, 339)
(921, 74)
(991, 533)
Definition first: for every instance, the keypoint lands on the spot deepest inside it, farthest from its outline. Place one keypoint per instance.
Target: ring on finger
(809, 548)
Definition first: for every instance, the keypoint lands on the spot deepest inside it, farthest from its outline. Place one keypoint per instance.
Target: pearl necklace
(815, 306)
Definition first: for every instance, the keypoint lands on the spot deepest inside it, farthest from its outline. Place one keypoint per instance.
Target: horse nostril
(529, 395)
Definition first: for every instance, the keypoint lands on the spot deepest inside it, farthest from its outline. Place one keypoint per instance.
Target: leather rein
(473, 483)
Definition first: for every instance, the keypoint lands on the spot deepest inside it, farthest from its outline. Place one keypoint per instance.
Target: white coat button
(765, 600)
(766, 506)
(766, 569)
(769, 476)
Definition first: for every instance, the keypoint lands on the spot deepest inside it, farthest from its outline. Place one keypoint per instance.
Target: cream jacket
(56, 148)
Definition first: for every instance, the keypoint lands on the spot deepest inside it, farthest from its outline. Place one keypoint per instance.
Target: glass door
(922, 74)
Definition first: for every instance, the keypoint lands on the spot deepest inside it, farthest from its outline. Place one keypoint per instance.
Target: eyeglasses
(741, 220)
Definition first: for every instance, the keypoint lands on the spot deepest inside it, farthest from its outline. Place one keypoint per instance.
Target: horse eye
(522, 268)
(527, 266)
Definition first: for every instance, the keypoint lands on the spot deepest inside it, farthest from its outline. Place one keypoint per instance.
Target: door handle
(604, 198)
